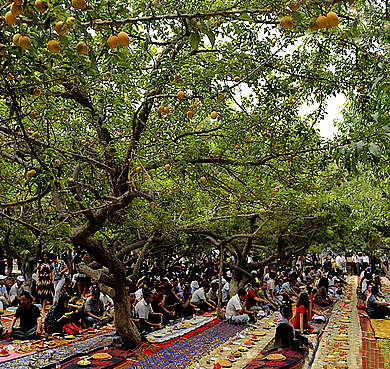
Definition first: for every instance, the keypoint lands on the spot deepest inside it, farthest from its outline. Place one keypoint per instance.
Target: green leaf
(194, 40)
(245, 16)
(211, 36)
(375, 151)
(358, 148)
(237, 28)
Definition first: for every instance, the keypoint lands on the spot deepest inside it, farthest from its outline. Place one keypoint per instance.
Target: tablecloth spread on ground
(180, 355)
(50, 356)
(293, 360)
(117, 357)
(180, 329)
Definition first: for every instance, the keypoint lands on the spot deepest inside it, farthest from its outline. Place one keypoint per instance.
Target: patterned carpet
(180, 355)
(51, 356)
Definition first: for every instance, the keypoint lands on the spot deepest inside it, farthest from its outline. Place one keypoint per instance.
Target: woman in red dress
(45, 280)
(301, 319)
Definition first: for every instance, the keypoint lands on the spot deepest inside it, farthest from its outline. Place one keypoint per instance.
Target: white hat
(20, 278)
(2, 277)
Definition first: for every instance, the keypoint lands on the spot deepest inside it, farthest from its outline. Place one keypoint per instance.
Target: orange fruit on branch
(53, 46)
(322, 21)
(286, 23)
(123, 39)
(333, 19)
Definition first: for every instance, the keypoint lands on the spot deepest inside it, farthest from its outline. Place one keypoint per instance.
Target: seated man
(95, 312)
(377, 309)
(148, 319)
(236, 312)
(158, 305)
(30, 320)
(4, 298)
(265, 303)
(213, 293)
(16, 291)
(200, 300)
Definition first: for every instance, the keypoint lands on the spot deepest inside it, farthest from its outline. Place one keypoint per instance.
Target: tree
(108, 107)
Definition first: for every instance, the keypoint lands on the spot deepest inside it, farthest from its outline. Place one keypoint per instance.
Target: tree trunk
(127, 330)
(10, 266)
(385, 269)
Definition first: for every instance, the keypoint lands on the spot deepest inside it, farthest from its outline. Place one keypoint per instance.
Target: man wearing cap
(4, 298)
(16, 291)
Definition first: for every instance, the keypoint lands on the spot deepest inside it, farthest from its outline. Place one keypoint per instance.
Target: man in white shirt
(225, 291)
(4, 298)
(235, 309)
(365, 260)
(145, 312)
(339, 262)
(200, 300)
(16, 291)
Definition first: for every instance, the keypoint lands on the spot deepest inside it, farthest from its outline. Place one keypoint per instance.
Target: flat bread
(225, 363)
(101, 356)
(338, 338)
(259, 333)
(276, 357)
(345, 320)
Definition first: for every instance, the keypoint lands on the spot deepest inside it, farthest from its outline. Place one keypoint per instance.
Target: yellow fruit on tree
(41, 5)
(166, 110)
(37, 135)
(108, 74)
(213, 114)
(322, 21)
(79, 4)
(286, 23)
(16, 38)
(31, 173)
(123, 39)
(167, 167)
(69, 22)
(37, 92)
(237, 79)
(16, 9)
(81, 48)
(138, 170)
(262, 211)
(313, 24)
(180, 95)
(3, 51)
(190, 114)
(294, 5)
(161, 109)
(221, 96)
(10, 76)
(53, 46)
(10, 18)
(61, 27)
(203, 179)
(98, 28)
(333, 19)
(112, 42)
(24, 42)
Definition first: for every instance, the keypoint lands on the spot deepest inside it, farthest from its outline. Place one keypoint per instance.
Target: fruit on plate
(243, 349)
(247, 344)
(236, 353)
(231, 357)
(41, 344)
(254, 338)
(83, 362)
(266, 326)
(4, 352)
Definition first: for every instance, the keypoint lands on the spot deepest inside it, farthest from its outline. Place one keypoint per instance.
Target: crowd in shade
(163, 296)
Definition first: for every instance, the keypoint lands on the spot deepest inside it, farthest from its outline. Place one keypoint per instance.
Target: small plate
(83, 363)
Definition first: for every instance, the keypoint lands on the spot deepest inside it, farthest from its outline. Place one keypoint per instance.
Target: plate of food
(247, 344)
(157, 334)
(69, 337)
(83, 362)
(267, 326)
(243, 349)
(236, 353)
(4, 352)
(231, 358)
(101, 356)
(224, 363)
(275, 357)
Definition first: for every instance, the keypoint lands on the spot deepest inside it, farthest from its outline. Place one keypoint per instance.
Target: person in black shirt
(30, 319)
